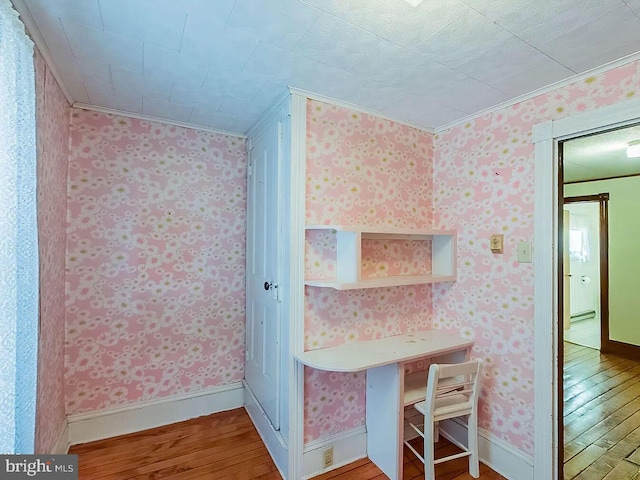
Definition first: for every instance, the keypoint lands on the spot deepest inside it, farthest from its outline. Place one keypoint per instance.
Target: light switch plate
(524, 252)
(497, 243)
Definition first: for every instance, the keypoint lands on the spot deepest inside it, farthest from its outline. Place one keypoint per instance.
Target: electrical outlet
(327, 457)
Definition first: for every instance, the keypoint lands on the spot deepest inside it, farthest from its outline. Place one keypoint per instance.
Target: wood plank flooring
(413, 469)
(601, 415)
(225, 446)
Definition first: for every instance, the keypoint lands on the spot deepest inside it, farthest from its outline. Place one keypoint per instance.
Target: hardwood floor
(221, 446)
(225, 446)
(601, 415)
(413, 469)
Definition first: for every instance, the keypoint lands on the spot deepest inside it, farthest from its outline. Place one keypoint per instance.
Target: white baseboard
(155, 413)
(61, 446)
(348, 447)
(493, 451)
(272, 439)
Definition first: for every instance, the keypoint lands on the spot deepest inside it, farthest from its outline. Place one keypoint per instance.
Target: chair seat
(448, 407)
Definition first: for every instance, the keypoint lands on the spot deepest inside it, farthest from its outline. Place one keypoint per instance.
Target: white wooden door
(262, 372)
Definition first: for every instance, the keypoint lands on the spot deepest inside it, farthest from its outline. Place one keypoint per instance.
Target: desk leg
(384, 418)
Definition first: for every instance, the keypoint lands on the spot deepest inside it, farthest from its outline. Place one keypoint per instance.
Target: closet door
(262, 367)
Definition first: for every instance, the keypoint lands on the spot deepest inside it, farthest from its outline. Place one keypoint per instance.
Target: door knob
(267, 285)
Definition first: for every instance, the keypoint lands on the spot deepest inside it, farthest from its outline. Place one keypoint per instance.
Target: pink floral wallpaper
(484, 184)
(52, 139)
(155, 261)
(361, 170)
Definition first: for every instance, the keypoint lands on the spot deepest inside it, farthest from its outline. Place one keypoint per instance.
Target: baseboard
(155, 413)
(272, 439)
(493, 451)
(348, 447)
(626, 350)
(61, 446)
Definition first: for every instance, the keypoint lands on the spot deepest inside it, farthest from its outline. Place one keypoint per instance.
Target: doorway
(585, 270)
(545, 136)
(596, 402)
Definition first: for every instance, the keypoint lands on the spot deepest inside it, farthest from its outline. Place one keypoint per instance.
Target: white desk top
(358, 356)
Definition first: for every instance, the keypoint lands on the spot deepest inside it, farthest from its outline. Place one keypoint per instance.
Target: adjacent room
(601, 176)
(244, 238)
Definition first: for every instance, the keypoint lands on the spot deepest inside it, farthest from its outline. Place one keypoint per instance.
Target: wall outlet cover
(327, 457)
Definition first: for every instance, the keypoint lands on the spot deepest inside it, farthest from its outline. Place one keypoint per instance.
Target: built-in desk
(384, 360)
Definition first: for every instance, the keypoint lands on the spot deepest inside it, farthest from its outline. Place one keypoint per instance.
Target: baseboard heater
(584, 315)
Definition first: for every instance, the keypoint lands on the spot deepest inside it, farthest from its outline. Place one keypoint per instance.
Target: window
(579, 237)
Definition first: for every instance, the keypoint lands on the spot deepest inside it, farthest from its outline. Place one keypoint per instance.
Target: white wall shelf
(349, 257)
(364, 355)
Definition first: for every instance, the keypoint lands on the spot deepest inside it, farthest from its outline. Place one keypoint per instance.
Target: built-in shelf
(349, 256)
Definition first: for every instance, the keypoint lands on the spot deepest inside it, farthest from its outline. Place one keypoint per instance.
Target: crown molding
(41, 45)
(357, 108)
(541, 91)
(266, 114)
(149, 118)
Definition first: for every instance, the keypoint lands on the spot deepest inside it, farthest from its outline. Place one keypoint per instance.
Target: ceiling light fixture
(414, 3)
(633, 149)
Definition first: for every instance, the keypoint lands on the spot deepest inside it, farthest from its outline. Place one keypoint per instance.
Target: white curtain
(18, 237)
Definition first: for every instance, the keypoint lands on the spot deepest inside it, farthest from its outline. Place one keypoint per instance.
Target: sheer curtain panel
(18, 237)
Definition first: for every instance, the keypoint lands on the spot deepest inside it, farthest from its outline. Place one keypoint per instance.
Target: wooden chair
(452, 391)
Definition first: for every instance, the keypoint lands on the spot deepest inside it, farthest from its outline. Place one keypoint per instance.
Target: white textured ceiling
(221, 63)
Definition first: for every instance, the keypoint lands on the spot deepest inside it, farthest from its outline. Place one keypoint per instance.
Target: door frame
(607, 345)
(545, 137)
(296, 173)
(603, 245)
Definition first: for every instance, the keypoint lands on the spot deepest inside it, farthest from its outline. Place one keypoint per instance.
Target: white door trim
(295, 299)
(545, 137)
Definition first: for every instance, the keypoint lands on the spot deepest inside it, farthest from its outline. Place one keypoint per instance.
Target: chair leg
(474, 462)
(429, 454)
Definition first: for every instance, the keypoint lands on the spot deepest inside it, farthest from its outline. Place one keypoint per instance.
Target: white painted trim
(541, 91)
(262, 121)
(41, 45)
(62, 445)
(150, 118)
(545, 305)
(348, 447)
(296, 277)
(87, 427)
(357, 108)
(614, 116)
(545, 137)
(272, 439)
(494, 452)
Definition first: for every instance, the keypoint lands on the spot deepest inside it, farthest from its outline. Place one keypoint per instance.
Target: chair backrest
(453, 388)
